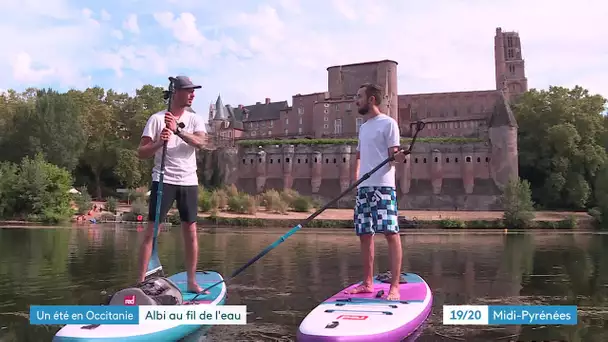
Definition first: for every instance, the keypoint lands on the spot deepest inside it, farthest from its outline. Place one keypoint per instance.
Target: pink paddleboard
(369, 316)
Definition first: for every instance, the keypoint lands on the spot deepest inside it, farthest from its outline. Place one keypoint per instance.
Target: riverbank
(342, 218)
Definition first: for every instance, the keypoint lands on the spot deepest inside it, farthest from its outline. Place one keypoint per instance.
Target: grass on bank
(518, 214)
(226, 199)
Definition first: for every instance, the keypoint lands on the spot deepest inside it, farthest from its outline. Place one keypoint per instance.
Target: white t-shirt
(180, 160)
(376, 136)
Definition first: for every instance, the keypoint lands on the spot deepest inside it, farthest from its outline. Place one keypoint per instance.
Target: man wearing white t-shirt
(180, 181)
(376, 202)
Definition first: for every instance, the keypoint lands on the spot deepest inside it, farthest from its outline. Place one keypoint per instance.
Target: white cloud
(131, 24)
(184, 27)
(279, 48)
(291, 6)
(105, 16)
(345, 8)
(24, 71)
(117, 34)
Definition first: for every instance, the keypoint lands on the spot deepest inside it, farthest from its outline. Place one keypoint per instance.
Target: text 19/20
(465, 315)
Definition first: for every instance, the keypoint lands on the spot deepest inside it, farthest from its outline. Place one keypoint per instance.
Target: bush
(243, 204)
(83, 201)
(204, 199)
(596, 214)
(289, 195)
(139, 207)
(111, 204)
(174, 219)
(449, 223)
(302, 204)
(107, 217)
(231, 190)
(219, 199)
(517, 201)
(274, 202)
(569, 222)
(36, 190)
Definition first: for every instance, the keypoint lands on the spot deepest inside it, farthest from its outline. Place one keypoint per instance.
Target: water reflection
(73, 265)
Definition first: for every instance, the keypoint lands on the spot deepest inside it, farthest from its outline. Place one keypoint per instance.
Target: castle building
(437, 175)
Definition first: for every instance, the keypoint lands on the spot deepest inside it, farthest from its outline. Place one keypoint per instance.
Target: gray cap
(183, 82)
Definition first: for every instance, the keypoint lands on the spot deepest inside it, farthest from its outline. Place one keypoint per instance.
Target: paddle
(419, 126)
(154, 266)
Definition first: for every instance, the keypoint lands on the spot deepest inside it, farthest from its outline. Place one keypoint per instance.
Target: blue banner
(532, 314)
(510, 315)
(83, 314)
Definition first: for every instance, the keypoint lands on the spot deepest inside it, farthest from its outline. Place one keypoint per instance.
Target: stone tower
(345, 80)
(502, 131)
(510, 65)
(218, 115)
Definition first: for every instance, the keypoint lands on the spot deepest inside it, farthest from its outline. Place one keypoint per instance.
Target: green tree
(132, 115)
(51, 126)
(41, 191)
(600, 212)
(128, 168)
(93, 134)
(518, 204)
(8, 178)
(562, 139)
(98, 123)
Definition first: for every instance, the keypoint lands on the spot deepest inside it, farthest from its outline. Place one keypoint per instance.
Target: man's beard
(364, 110)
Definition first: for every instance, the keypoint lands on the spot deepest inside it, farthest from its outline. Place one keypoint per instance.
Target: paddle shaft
(159, 190)
(159, 196)
(419, 125)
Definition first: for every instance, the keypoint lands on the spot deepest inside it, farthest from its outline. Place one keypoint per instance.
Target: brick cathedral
(461, 176)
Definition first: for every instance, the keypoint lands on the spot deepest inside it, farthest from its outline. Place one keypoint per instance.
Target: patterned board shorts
(376, 210)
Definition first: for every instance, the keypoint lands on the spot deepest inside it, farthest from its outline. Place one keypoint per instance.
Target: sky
(248, 50)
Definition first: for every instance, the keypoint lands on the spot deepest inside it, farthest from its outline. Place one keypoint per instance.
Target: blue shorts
(376, 210)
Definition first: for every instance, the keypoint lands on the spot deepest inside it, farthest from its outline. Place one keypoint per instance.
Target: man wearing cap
(180, 181)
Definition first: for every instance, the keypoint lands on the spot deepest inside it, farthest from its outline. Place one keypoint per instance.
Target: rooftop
(363, 63)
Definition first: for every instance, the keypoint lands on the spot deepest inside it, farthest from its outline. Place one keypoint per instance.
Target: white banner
(193, 314)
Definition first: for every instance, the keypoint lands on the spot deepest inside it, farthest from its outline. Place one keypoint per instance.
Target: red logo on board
(129, 300)
(353, 317)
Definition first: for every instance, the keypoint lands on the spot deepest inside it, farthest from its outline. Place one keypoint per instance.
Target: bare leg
(395, 252)
(367, 252)
(145, 251)
(191, 249)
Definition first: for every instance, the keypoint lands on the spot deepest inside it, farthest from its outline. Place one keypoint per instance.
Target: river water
(64, 266)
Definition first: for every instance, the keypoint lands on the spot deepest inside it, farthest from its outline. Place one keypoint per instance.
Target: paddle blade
(154, 266)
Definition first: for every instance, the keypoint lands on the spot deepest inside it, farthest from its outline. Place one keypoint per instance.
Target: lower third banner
(510, 314)
(144, 314)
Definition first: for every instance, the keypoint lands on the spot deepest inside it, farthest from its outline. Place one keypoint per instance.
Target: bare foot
(363, 288)
(195, 288)
(393, 294)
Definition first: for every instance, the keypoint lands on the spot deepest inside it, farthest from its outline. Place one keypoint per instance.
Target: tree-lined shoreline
(87, 139)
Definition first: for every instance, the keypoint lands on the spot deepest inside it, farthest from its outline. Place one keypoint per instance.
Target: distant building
(468, 174)
(333, 113)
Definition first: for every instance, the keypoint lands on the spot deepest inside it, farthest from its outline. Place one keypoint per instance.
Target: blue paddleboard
(165, 331)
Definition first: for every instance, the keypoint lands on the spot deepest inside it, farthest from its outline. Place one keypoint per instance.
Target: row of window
(455, 124)
(447, 160)
(326, 105)
(337, 126)
(299, 161)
